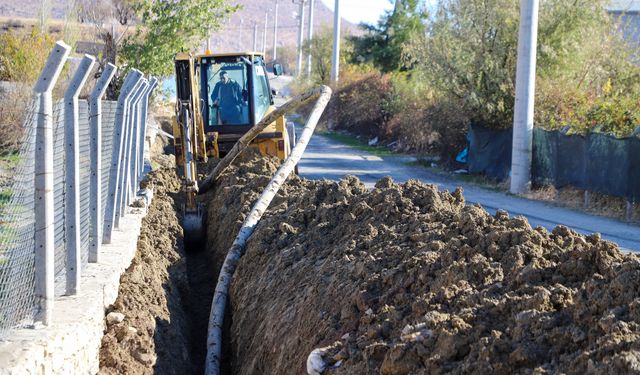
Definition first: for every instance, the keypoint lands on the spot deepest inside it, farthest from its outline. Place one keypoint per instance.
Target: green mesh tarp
(596, 162)
(489, 152)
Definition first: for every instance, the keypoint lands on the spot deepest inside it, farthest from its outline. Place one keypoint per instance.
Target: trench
(165, 294)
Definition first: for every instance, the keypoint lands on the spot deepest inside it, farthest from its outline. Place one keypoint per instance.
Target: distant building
(627, 12)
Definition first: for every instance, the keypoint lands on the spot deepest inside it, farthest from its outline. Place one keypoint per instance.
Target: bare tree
(109, 17)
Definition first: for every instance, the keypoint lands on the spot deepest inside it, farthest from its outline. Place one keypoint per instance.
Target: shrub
(22, 56)
(469, 55)
(361, 106)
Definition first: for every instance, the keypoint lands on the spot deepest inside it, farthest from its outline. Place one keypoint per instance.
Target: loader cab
(234, 92)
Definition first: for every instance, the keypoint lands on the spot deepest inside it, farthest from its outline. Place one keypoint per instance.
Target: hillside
(237, 34)
(239, 29)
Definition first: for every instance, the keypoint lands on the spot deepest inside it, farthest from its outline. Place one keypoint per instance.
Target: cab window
(225, 86)
(262, 94)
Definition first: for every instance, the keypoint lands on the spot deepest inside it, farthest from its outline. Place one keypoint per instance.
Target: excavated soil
(154, 335)
(405, 279)
(161, 297)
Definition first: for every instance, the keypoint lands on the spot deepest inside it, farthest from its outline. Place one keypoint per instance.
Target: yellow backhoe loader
(219, 97)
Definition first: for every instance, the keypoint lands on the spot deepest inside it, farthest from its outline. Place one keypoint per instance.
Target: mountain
(236, 33)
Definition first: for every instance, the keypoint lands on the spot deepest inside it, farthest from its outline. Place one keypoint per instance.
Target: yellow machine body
(213, 142)
(219, 97)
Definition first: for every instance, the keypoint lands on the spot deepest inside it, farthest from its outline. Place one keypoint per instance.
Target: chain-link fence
(17, 274)
(37, 234)
(59, 159)
(108, 122)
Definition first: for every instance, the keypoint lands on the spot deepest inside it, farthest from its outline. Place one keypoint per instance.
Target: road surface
(326, 158)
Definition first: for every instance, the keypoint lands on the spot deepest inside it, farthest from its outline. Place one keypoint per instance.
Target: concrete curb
(71, 345)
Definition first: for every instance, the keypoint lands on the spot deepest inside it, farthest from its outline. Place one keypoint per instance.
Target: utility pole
(264, 35)
(521, 153)
(44, 15)
(310, 35)
(255, 37)
(300, 36)
(240, 40)
(275, 33)
(335, 60)
(208, 51)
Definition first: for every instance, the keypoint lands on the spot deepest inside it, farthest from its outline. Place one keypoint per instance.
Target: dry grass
(598, 204)
(86, 32)
(13, 105)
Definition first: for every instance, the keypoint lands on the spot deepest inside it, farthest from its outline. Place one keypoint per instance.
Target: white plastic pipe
(218, 305)
(521, 153)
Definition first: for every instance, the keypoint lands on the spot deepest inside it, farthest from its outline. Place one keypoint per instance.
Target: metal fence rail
(59, 194)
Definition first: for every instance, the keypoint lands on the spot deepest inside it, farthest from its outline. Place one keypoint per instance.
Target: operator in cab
(227, 98)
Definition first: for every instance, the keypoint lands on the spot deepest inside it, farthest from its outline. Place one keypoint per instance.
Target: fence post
(136, 140)
(123, 187)
(135, 147)
(44, 234)
(111, 212)
(522, 145)
(153, 82)
(125, 167)
(95, 118)
(72, 167)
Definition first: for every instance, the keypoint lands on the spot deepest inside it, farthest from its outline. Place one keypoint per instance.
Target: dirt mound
(154, 335)
(404, 279)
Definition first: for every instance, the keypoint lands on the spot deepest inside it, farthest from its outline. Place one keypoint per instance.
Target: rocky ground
(405, 279)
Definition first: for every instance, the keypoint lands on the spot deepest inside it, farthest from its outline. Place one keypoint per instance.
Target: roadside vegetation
(141, 34)
(417, 79)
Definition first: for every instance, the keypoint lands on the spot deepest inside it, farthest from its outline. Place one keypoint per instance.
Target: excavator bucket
(193, 228)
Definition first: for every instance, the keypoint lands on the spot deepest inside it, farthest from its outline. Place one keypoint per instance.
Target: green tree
(170, 26)
(470, 52)
(384, 43)
(320, 48)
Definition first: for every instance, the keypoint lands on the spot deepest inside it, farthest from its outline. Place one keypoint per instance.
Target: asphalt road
(329, 159)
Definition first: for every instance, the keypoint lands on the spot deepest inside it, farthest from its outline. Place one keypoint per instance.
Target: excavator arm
(189, 145)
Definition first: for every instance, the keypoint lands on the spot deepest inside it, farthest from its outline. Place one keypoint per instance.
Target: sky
(368, 11)
(356, 11)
